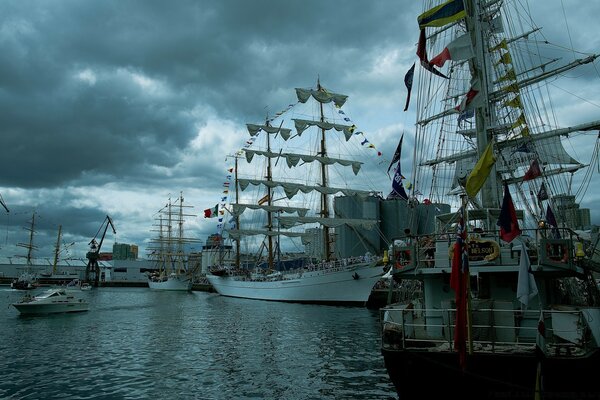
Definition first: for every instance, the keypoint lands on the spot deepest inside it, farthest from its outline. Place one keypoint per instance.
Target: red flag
(509, 226)
(422, 54)
(534, 170)
(458, 49)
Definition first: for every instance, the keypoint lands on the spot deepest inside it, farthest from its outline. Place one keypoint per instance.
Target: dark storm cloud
(99, 97)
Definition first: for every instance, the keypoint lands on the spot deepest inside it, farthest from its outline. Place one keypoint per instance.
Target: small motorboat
(56, 300)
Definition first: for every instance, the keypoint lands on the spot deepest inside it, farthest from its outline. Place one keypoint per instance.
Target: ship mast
(29, 246)
(269, 202)
(237, 216)
(324, 205)
(483, 111)
(56, 249)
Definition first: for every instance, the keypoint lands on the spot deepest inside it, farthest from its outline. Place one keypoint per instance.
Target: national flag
(552, 221)
(422, 54)
(534, 171)
(459, 281)
(458, 49)
(408, 81)
(263, 200)
(441, 15)
(211, 212)
(397, 153)
(526, 286)
(542, 193)
(481, 171)
(509, 226)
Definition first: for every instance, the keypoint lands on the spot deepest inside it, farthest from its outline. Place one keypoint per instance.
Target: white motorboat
(56, 300)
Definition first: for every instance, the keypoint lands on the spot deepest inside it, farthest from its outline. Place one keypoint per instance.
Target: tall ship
(34, 270)
(283, 221)
(500, 300)
(170, 251)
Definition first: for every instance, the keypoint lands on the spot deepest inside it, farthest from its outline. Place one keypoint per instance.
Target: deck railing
(554, 332)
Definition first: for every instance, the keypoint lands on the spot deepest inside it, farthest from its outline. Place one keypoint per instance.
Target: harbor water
(135, 343)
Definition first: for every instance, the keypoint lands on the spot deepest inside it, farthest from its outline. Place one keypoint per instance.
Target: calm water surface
(136, 344)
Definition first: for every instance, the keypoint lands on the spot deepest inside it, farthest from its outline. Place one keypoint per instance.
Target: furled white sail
(291, 189)
(292, 159)
(254, 129)
(321, 96)
(303, 124)
(239, 208)
(289, 222)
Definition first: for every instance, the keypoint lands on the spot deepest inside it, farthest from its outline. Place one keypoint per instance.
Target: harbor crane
(92, 266)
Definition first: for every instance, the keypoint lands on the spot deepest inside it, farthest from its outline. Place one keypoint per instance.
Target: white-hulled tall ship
(507, 306)
(174, 268)
(291, 208)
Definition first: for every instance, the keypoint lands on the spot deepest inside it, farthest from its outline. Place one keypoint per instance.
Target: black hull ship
(501, 298)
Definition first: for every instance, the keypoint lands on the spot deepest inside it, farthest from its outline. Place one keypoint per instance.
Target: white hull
(176, 283)
(349, 285)
(52, 301)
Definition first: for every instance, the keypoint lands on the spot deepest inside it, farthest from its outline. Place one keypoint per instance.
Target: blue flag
(396, 156)
(397, 188)
(408, 81)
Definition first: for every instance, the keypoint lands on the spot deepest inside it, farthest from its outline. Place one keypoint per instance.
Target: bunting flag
(459, 281)
(408, 81)
(211, 212)
(515, 102)
(465, 115)
(445, 13)
(422, 54)
(534, 171)
(526, 286)
(396, 156)
(467, 103)
(552, 222)
(501, 45)
(458, 49)
(509, 226)
(481, 171)
(542, 193)
(263, 200)
(505, 59)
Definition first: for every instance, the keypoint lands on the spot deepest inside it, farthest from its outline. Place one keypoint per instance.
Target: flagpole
(468, 275)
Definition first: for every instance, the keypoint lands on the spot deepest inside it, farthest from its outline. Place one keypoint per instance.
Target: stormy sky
(110, 107)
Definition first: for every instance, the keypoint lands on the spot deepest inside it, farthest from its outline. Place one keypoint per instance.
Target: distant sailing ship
(35, 271)
(278, 213)
(169, 253)
(507, 306)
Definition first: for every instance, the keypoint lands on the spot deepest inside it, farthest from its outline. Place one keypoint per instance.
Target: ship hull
(177, 283)
(38, 309)
(349, 286)
(505, 376)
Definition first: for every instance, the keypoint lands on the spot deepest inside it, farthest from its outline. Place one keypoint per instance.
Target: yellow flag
(481, 171)
(501, 45)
